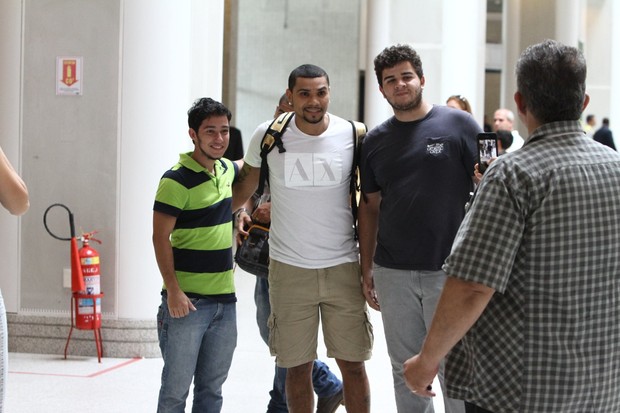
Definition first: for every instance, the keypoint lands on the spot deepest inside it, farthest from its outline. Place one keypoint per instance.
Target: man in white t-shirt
(504, 119)
(314, 270)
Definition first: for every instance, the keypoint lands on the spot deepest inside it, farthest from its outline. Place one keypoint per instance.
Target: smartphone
(487, 149)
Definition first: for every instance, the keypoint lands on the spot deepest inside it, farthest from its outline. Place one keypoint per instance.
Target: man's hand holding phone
(487, 151)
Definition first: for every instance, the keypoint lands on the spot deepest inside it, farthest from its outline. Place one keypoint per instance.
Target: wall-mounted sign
(69, 76)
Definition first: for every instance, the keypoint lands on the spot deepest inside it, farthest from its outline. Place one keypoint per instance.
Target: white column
(463, 52)
(567, 18)
(207, 48)
(511, 39)
(376, 108)
(161, 75)
(10, 141)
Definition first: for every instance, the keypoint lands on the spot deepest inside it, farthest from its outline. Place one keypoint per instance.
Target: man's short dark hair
(505, 137)
(204, 108)
(393, 55)
(551, 77)
(306, 70)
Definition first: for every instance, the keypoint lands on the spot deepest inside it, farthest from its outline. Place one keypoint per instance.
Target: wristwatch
(238, 212)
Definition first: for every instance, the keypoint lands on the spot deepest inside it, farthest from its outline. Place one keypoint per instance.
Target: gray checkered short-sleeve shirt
(543, 231)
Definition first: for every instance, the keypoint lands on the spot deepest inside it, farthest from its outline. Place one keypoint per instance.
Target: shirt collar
(564, 127)
(187, 161)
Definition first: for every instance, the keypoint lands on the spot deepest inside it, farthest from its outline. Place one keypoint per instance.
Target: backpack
(253, 253)
(273, 138)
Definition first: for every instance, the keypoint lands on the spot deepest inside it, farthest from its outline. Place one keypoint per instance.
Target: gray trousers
(408, 300)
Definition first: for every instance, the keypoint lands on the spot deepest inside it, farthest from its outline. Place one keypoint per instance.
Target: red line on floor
(118, 366)
(99, 373)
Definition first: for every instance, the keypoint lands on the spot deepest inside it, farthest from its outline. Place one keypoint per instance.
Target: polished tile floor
(48, 383)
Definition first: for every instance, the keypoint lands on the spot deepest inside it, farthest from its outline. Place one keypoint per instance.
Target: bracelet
(238, 212)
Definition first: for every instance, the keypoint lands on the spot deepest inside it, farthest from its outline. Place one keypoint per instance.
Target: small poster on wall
(69, 76)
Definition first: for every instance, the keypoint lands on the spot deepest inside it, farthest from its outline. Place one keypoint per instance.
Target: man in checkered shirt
(529, 317)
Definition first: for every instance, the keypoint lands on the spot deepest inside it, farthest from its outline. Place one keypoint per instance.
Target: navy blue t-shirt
(424, 171)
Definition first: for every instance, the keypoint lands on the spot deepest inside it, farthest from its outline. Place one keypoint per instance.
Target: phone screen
(487, 149)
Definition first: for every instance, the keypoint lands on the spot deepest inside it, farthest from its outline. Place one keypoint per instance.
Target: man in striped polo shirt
(192, 237)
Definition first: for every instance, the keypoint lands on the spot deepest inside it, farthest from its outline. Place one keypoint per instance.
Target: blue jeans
(325, 382)
(198, 346)
(408, 300)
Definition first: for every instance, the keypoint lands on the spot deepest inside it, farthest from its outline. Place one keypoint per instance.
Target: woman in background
(13, 197)
(459, 102)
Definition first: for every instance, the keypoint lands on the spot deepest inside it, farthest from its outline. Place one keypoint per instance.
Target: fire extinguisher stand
(80, 300)
(95, 320)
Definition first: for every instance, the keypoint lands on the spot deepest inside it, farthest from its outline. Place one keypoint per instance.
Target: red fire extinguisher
(89, 260)
(89, 301)
(85, 282)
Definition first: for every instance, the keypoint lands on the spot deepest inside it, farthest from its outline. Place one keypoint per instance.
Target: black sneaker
(330, 404)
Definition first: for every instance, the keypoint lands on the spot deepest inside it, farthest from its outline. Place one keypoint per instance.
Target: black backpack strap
(271, 138)
(359, 131)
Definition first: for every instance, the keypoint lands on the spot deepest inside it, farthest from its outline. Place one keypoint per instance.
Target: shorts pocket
(273, 332)
(369, 330)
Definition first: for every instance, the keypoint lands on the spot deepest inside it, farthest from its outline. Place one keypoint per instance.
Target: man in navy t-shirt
(416, 171)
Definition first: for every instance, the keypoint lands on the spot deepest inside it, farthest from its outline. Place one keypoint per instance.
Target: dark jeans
(325, 382)
(472, 408)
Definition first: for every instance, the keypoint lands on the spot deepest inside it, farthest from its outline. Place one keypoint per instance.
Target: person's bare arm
(460, 306)
(245, 185)
(179, 305)
(13, 190)
(243, 220)
(249, 215)
(368, 223)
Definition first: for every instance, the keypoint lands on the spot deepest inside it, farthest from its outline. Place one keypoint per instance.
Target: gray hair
(551, 77)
